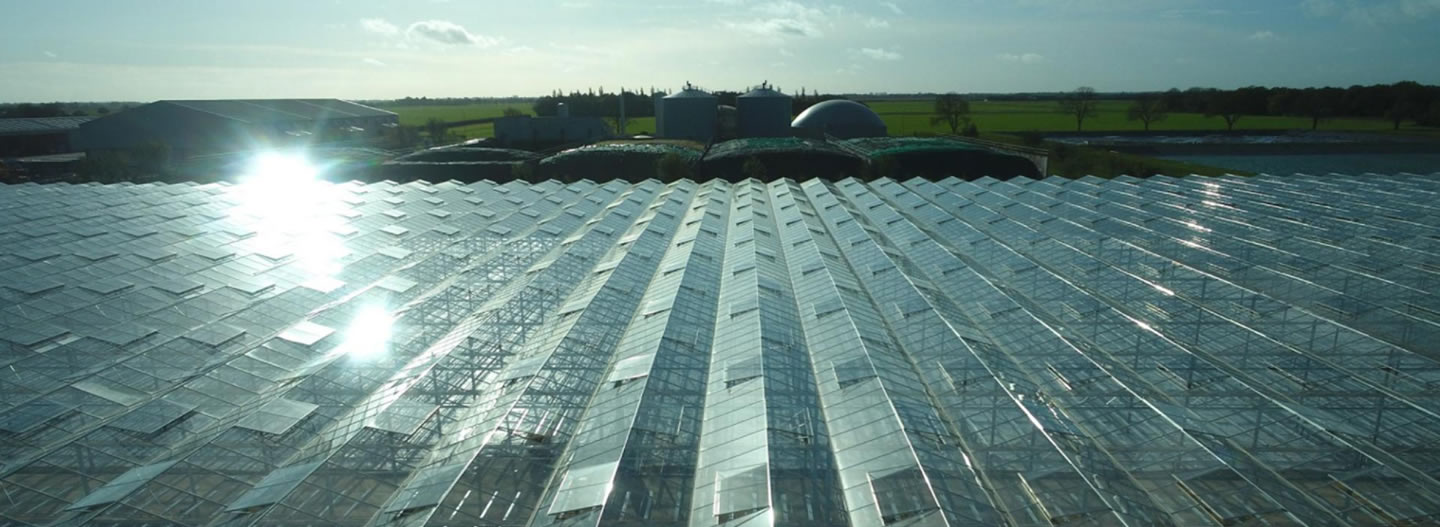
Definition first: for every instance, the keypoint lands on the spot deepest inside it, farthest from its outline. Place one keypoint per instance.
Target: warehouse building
(1031, 352)
(190, 128)
(37, 136)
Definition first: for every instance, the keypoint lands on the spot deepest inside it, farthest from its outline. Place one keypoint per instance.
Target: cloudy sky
(164, 49)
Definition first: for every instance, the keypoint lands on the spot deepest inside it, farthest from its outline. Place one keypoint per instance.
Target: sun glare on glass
(294, 214)
(369, 333)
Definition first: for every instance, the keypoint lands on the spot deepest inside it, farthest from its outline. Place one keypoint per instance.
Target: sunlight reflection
(294, 213)
(369, 333)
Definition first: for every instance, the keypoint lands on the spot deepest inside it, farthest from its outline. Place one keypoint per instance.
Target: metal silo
(764, 112)
(689, 114)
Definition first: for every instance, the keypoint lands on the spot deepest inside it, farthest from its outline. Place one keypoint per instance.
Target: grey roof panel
(263, 111)
(41, 125)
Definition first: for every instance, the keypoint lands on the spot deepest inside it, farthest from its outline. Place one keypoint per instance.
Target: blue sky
(157, 49)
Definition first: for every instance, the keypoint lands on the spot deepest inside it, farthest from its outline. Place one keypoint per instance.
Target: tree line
(1397, 103)
(447, 101)
(642, 104)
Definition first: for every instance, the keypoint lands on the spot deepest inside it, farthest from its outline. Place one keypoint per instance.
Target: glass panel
(583, 488)
(632, 368)
(403, 417)
(851, 371)
(273, 488)
(742, 490)
(277, 416)
(122, 486)
(901, 494)
(427, 488)
(151, 417)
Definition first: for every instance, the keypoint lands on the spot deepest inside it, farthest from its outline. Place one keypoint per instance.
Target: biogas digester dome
(764, 112)
(688, 114)
(841, 118)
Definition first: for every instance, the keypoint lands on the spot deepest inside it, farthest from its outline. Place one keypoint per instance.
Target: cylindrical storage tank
(727, 122)
(562, 110)
(764, 112)
(689, 114)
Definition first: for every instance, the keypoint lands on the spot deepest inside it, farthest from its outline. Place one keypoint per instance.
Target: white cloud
(880, 54)
(778, 27)
(783, 18)
(876, 23)
(373, 61)
(1023, 58)
(379, 26)
(447, 32)
(895, 8)
(1263, 35)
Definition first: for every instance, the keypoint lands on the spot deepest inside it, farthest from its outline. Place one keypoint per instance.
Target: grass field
(909, 117)
(419, 115)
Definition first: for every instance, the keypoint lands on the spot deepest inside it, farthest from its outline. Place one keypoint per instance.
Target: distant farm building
(216, 126)
(37, 135)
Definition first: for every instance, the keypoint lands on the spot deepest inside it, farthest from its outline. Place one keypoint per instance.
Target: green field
(419, 115)
(908, 117)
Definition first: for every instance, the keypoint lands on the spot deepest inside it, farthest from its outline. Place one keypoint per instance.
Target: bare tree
(953, 110)
(1148, 108)
(437, 129)
(1224, 105)
(1081, 104)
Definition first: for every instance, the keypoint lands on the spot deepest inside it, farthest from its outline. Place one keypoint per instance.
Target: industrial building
(764, 112)
(37, 136)
(841, 119)
(696, 115)
(687, 114)
(1032, 352)
(190, 128)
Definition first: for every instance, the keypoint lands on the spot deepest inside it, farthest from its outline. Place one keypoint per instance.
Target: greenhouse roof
(774, 145)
